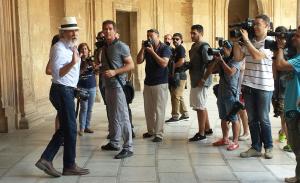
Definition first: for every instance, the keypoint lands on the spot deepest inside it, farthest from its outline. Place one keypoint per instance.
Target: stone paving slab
(175, 160)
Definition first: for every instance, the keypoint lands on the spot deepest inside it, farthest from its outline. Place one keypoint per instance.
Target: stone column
(298, 13)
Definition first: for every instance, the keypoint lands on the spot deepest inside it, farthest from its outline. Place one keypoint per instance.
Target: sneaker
(233, 146)
(80, 133)
(172, 120)
(291, 179)
(250, 153)
(244, 137)
(124, 154)
(197, 137)
(209, 132)
(87, 130)
(281, 136)
(184, 117)
(157, 139)
(287, 148)
(109, 147)
(269, 154)
(147, 135)
(221, 142)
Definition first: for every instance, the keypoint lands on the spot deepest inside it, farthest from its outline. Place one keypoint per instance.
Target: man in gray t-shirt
(200, 81)
(118, 55)
(116, 52)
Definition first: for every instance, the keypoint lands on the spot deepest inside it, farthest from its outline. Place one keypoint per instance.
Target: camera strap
(112, 67)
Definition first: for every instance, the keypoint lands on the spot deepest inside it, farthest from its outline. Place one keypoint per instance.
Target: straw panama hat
(68, 23)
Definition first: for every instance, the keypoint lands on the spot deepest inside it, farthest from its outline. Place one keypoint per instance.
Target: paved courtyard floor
(175, 160)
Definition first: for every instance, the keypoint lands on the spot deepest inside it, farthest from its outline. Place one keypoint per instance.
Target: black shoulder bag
(127, 88)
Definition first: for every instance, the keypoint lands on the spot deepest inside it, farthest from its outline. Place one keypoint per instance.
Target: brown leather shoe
(47, 167)
(75, 170)
(87, 130)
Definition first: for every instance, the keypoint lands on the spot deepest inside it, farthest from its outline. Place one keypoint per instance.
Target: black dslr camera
(100, 42)
(222, 43)
(147, 43)
(237, 106)
(215, 51)
(247, 25)
(81, 94)
(89, 63)
(185, 66)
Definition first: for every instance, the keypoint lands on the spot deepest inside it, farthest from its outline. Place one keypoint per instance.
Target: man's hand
(143, 46)
(110, 73)
(150, 49)
(75, 56)
(281, 43)
(218, 57)
(201, 83)
(244, 35)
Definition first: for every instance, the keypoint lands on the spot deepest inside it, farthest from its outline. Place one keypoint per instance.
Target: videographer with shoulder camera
(292, 94)
(279, 88)
(65, 63)
(116, 61)
(87, 81)
(157, 56)
(257, 85)
(200, 80)
(177, 80)
(228, 95)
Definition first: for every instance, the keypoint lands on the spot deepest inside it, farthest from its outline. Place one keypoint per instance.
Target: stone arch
(234, 13)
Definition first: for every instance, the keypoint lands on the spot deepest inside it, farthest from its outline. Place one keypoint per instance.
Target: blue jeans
(257, 103)
(86, 107)
(62, 98)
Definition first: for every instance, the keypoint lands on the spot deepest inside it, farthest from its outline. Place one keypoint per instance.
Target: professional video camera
(222, 43)
(247, 25)
(100, 42)
(282, 34)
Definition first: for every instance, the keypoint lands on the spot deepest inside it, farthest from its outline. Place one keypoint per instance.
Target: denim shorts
(225, 104)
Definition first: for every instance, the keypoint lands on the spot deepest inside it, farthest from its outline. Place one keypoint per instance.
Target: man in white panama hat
(65, 61)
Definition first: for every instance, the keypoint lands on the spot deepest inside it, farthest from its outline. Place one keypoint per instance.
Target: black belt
(62, 86)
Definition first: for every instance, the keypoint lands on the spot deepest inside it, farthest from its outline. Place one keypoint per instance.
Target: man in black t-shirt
(177, 80)
(157, 56)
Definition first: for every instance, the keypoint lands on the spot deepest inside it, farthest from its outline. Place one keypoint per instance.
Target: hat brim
(68, 28)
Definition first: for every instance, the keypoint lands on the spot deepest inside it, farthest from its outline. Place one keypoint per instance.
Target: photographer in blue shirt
(292, 94)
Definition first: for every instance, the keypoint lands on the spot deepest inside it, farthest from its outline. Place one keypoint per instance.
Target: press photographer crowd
(256, 67)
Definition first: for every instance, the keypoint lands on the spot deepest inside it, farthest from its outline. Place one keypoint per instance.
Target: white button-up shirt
(60, 55)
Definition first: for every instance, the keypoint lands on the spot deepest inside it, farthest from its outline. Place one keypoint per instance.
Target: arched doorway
(238, 12)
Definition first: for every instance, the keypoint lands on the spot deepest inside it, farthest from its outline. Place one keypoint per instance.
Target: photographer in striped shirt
(257, 86)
